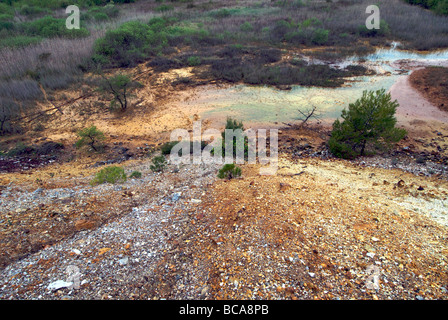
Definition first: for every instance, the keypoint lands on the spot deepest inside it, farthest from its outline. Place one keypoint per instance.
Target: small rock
(400, 184)
(59, 284)
(370, 254)
(38, 191)
(103, 251)
(123, 261)
(284, 186)
(176, 196)
(204, 290)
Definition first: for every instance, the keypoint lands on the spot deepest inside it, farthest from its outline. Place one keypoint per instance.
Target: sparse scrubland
(227, 41)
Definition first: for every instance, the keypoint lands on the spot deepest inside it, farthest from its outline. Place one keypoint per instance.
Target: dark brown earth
(432, 83)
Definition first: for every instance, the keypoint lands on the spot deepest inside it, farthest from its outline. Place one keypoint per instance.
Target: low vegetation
(120, 88)
(158, 164)
(439, 6)
(113, 174)
(238, 139)
(8, 111)
(168, 146)
(135, 175)
(90, 137)
(229, 171)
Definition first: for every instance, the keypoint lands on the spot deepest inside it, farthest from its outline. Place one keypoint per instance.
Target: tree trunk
(363, 147)
(125, 99)
(92, 143)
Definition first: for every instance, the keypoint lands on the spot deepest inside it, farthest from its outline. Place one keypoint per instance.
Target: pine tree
(368, 124)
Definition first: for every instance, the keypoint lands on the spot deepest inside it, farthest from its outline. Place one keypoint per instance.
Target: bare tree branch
(309, 114)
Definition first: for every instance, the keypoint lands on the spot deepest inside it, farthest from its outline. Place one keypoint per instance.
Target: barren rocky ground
(319, 229)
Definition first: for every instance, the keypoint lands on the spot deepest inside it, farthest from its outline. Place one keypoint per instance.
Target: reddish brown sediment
(432, 83)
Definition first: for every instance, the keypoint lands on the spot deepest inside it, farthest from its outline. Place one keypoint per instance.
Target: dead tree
(308, 114)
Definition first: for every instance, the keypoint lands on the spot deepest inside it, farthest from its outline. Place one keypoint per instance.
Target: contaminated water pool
(264, 104)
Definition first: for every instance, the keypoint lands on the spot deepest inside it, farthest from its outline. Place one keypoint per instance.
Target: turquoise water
(263, 104)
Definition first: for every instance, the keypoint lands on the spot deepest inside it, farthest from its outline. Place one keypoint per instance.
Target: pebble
(123, 261)
(176, 196)
(59, 284)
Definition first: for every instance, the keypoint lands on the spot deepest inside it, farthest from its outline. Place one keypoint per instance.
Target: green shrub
(382, 31)
(158, 24)
(21, 149)
(369, 123)
(51, 4)
(32, 10)
(320, 36)
(194, 61)
(6, 22)
(127, 45)
(233, 124)
(102, 13)
(112, 174)
(100, 16)
(91, 137)
(229, 171)
(246, 27)
(164, 8)
(49, 27)
(120, 87)
(281, 28)
(135, 174)
(439, 6)
(221, 13)
(442, 7)
(166, 147)
(5, 9)
(158, 164)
